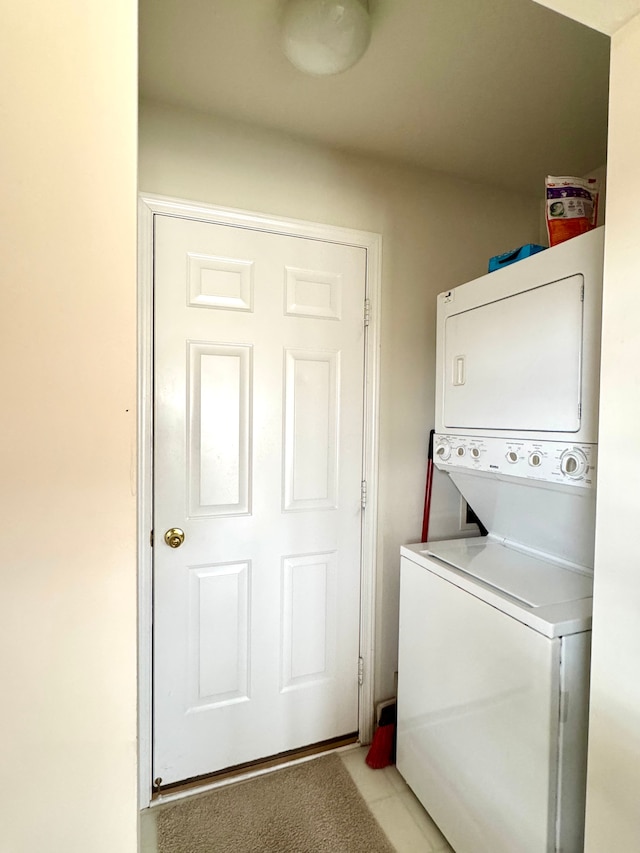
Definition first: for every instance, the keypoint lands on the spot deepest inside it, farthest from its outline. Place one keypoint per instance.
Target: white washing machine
(493, 695)
(494, 641)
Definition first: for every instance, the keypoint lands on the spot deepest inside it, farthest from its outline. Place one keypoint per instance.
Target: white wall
(67, 421)
(437, 232)
(613, 800)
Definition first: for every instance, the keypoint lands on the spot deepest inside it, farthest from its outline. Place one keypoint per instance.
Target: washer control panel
(550, 461)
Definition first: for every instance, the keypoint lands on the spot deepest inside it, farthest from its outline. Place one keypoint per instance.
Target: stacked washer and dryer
(494, 649)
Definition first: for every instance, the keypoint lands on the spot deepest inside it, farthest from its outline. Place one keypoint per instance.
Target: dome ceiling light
(323, 37)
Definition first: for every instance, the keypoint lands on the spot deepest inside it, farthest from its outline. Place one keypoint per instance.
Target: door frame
(149, 206)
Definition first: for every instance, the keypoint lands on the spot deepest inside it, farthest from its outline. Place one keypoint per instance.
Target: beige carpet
(313, 807)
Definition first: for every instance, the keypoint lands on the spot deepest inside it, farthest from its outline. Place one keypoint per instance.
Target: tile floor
(406, 824)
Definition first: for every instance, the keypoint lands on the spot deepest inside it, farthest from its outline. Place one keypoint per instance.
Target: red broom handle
(427, 496)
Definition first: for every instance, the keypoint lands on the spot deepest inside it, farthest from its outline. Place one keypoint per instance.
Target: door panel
(219, 421)
(259, 360)
(311, 430)
(218, 660)
(309, 619)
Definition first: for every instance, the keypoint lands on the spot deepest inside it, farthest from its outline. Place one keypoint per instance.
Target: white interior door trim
(149, 206)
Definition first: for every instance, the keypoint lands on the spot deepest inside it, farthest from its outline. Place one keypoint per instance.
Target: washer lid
(531, 581)
(543, 518)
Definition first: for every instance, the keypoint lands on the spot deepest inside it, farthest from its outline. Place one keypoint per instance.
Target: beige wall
(67, 421)
(613, 810)
(437, 232)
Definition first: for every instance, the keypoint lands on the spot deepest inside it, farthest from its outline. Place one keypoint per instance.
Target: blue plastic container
(499, 261)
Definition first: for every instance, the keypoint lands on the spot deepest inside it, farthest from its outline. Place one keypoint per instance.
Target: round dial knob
(512, 456)
(460, 451)
(443, 450)
(573, 463)
(475, 452)
(535, 460)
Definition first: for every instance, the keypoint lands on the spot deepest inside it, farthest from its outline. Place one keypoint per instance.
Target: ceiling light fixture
(323, 37)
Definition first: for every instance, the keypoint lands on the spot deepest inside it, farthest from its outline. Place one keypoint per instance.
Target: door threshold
(198, 784)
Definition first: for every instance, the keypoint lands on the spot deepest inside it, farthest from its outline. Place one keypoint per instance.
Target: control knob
(443, 450)
(573, 463)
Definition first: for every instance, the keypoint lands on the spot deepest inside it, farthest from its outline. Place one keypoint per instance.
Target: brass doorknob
(174, 537)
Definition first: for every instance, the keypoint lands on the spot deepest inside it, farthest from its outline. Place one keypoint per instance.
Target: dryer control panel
(548, 461)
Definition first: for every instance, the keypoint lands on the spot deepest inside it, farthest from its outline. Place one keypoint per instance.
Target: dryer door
(515, 364)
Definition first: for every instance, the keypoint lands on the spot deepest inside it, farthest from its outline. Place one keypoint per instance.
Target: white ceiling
(499, 91)
(607, 16)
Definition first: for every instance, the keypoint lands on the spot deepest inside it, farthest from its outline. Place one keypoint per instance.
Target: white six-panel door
(258, 424)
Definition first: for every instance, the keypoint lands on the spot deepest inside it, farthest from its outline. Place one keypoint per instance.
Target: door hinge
(360, 671)
(151, 538)
(363, 494)
(579, 410)
(367, 312)
(582, 293)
